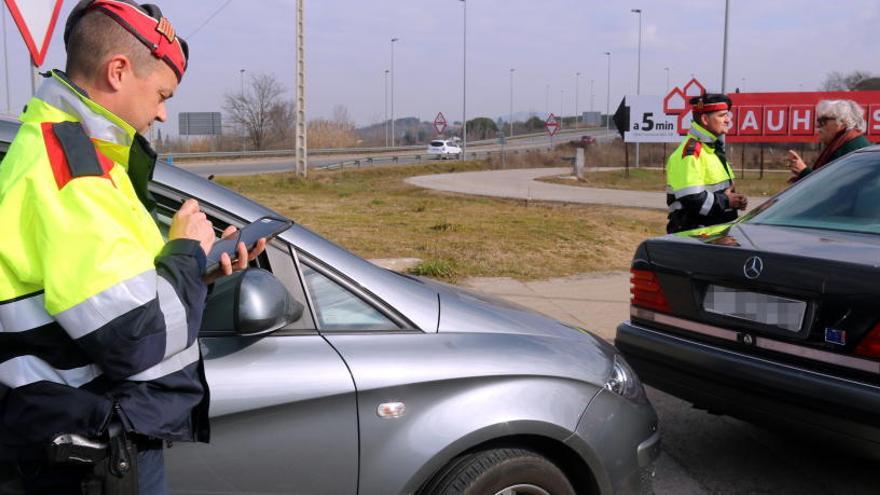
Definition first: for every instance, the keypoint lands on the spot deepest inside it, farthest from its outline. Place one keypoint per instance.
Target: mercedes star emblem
(753, 268)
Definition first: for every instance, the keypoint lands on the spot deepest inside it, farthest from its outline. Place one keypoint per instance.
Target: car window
(338, 309)
(842, 196)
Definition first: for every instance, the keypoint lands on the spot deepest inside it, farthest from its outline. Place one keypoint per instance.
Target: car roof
(8, 128)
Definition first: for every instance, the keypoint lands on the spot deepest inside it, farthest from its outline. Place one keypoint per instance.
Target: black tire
(491, 471)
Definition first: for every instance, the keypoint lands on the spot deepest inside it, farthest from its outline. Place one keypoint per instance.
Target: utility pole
(724, 56)
(302, 160)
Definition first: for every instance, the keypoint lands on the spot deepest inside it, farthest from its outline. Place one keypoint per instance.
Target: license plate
(787, 314)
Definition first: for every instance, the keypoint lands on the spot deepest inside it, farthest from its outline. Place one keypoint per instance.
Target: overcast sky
(774, 45)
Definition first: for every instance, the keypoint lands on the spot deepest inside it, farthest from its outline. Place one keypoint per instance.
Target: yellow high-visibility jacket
(696, 178)
(97, 313)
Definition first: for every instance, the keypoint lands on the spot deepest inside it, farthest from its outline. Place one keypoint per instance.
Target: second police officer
(699, 180)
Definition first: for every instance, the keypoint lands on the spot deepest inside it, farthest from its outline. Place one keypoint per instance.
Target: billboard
(200, 124)
(755, 117)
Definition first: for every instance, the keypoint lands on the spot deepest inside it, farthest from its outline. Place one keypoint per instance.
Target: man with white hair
(840, 125)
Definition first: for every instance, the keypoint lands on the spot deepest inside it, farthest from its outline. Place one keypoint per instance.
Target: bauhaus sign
(791, 117)
(755, 118)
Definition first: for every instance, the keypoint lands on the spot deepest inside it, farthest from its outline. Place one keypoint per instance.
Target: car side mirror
(251, 302)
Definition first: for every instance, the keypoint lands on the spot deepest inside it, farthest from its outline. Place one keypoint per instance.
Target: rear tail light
(647, 292)
(870, 344)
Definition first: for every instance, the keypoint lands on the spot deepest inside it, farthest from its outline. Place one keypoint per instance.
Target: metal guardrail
(343, 151)
(370, 161)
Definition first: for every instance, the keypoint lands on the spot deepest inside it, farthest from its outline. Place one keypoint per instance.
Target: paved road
(521, 184)
(702, 453)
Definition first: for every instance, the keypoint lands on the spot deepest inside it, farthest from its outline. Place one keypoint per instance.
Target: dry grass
(641, 179)
(375, 214)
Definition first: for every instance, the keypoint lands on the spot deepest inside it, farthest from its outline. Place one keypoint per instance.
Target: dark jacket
(846, 148)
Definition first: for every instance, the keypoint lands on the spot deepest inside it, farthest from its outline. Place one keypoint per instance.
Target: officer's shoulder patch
(692, 147)
(72, 153)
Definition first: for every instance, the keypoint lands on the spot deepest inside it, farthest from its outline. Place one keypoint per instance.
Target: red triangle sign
(551, 124)
(36, 21)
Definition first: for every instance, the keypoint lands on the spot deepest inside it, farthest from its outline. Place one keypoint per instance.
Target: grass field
(641, 179)
(375, 214)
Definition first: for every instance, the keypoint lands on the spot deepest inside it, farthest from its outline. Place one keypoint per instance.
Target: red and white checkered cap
(144, 22)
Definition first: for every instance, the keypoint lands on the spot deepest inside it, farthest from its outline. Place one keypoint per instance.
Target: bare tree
(838, 81)
(260, 110)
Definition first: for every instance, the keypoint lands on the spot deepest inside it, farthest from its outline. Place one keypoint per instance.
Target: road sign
(648, 122)
(551, 124)
(35, 20)
(440, 123)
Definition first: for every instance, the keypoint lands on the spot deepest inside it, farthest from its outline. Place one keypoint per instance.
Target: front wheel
(500, 472)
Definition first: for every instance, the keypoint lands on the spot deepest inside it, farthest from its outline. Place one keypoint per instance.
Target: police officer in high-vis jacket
(699, 180)
(99, 314)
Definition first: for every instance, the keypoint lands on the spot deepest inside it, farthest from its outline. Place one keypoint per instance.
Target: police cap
(710, 102)
(144, 22)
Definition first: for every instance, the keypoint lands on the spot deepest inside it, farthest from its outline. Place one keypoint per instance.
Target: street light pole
(591, 94)
(724, 56)
(387, 71)
(511, 101)
(464, 84)
(393, 40)
(577, 86)
(639, 60)
(244, 129)
(547, 101)
(561, 108)
(638, 73)
(608, 96)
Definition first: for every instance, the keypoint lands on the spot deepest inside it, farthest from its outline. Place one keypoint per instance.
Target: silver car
(387, 383)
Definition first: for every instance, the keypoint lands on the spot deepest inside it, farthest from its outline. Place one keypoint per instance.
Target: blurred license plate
(780, 312)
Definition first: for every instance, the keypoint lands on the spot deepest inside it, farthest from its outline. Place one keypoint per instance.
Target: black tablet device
(265, 227)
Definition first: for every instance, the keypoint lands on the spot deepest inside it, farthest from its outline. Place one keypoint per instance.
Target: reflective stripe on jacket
(695, 182)
(95, 308)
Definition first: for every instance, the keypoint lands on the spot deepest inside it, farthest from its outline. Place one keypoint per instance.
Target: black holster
(114, 463)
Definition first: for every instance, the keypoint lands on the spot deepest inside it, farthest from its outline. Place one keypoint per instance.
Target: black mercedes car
(774, 318)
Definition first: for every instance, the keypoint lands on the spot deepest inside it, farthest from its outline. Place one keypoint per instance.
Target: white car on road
(444, 149)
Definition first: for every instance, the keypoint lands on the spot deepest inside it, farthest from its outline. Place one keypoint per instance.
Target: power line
(220, 9)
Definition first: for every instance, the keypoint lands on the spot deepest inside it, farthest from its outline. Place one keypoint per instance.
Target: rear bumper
(738, 384)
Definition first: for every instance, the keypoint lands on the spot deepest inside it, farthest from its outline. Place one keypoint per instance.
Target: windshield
(437, 143)
(842, 196)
